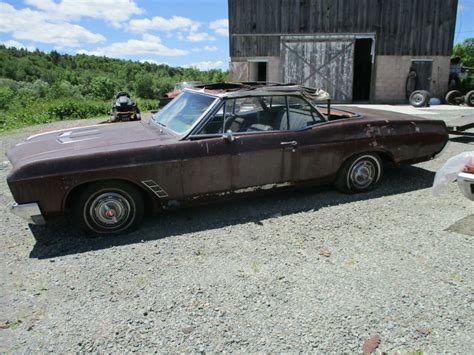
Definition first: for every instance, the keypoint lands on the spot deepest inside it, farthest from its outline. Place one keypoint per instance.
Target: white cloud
(152, 61)
(221, 27)
(163, 24)
(149, 44)
(182, 28)
(112, 11)
(200, 37)
(205, 49)
(16, 44)
(207, 65)
(210, 49)
(35, 26)
(462, 8)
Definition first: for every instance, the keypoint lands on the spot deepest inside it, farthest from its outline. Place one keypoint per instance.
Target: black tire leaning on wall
(420, 98)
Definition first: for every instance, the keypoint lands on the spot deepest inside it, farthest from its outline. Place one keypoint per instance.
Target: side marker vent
(155, 188)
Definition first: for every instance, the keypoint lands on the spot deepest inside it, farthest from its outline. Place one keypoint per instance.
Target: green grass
(21, 114)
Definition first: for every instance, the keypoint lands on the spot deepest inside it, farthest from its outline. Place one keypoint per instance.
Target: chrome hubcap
(110, 210)
(418, 98)
(363, 174)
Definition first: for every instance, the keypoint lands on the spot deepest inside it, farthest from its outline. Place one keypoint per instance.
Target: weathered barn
(357, 50)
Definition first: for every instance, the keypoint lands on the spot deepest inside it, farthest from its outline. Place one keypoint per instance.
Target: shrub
(144, 86)
(49, 111)
(9, 83)
(102, 88)
(40, 88)
(6, 96)
(147, 105)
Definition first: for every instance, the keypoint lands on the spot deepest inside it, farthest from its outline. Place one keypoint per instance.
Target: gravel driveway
(310, 270)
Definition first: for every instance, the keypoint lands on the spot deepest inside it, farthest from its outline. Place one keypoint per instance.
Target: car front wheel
(360, 173)
(109, 208)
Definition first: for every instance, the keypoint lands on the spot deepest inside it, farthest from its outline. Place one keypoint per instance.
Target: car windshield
(182, 112)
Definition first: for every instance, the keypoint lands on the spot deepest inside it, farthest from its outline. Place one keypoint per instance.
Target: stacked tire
(455, 97)
(469, 98)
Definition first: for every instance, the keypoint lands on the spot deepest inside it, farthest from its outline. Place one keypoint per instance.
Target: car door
(244, 151)
(315, 158)
(263, 158)
(206, 165)
(262, 154)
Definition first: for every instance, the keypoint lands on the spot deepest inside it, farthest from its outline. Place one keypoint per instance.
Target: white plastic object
(435, 101)
(450, 170)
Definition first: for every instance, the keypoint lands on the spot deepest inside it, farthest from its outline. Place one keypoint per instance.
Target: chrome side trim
(28, 211)
(155, 188)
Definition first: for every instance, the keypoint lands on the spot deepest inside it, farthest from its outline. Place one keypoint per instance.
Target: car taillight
(469, 168)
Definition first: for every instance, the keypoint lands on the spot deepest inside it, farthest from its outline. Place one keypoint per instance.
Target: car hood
(86, 140)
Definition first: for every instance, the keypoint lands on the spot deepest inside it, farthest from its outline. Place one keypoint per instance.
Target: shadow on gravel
(463, 226)
(61, 239)
(463, 139)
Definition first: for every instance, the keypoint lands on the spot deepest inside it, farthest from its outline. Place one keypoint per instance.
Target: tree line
(41, 87)
(84, 75)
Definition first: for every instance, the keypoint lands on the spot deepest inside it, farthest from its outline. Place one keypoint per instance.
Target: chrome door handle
(292, 143)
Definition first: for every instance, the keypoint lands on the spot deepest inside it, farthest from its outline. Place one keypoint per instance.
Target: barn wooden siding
(402, 27)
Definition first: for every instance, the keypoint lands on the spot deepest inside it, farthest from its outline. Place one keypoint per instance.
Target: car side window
(215, 123)
(262, 114)
(301, 115)
(243, 114)
(275, 102)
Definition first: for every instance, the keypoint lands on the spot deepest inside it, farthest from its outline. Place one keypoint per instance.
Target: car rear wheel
(360, 173)
(109, 207)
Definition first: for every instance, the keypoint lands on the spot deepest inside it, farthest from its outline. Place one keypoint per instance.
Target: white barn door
(325, 62)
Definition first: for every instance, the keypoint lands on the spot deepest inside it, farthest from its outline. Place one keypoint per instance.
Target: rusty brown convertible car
(210, 140)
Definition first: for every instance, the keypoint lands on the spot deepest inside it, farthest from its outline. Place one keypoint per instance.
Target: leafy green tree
(144, 86)
(38, 78)
(465, 51)
(26, 92)
(6, 96)
(40, 88)
(102, 87)
(9, 83)
(55, 56)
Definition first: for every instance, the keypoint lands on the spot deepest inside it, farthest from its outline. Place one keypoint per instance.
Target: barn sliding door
(320, 62)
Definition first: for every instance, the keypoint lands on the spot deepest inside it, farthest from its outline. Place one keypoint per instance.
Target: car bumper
(28, 211)
(466, 184)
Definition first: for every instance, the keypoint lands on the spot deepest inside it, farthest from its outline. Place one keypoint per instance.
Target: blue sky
(464, 21)
(175, 32)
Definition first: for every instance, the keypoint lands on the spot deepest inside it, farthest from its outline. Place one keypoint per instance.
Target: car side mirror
(228, 136)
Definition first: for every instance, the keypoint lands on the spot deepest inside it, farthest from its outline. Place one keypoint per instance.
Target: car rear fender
(385, 155)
